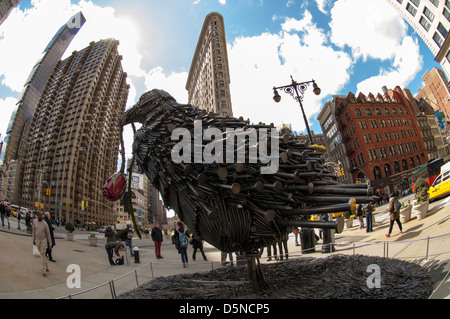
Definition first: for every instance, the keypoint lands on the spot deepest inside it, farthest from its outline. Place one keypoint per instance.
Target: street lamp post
(296, 90)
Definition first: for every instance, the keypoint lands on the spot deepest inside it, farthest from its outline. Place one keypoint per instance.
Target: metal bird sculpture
(232, 205)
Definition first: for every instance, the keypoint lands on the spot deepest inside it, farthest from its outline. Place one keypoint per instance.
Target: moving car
(441, 186)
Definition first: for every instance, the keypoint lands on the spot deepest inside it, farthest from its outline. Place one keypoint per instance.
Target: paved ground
(20, 275)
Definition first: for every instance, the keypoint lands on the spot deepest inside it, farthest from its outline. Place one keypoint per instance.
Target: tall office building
(6, 6)
(208, 82)
(74, 136)
(436, 91)
(34, 86)
(431, 20)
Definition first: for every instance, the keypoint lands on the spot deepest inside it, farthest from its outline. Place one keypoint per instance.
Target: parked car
(441, 186)
(102, 229)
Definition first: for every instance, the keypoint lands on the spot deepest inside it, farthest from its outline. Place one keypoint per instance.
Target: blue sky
(345, 45)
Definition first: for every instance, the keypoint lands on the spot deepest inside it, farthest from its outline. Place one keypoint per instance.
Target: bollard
(136, 255)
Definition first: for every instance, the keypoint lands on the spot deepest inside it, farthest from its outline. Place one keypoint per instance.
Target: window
(411, 9)
(358, 112)
(387, 169)
(386, 110)
(437, 38)
(446, 14)
(442, 30)
(369, 112)
(424, 23)
(435, 2)
(415, 2)
(377, 110)
(347, 117)
(428, 14)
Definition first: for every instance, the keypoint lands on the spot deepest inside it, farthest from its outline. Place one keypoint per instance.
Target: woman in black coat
(48, 252)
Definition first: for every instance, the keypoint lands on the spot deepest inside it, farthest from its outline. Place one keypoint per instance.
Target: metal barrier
(421, 250)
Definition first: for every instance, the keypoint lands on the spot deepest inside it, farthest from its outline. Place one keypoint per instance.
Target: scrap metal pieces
(229, 202)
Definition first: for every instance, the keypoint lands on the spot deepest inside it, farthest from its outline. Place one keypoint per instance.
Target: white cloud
(407, 63)
(323, 4)
(259, 63)
(376, 31)
(36, 26)
(174, 83)
(370, 29)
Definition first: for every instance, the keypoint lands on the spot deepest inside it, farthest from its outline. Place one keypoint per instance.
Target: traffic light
(342, 171)
(86, 203)
(66, 204)
(47, 191)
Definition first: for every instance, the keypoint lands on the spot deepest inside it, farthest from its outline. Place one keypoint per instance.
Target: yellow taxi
(441, 186)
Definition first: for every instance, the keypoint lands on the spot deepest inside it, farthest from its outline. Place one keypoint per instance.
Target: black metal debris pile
(335, 277)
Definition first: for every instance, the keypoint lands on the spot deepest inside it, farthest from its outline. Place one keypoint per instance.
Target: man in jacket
(127, 236)
(157, 238)
(394, 212)
(111, 248)
(41, 236)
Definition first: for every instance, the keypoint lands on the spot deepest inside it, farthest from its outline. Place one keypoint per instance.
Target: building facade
(6, 6)
(34, 86)
(436, 91)
(336, 151)
(74, 136)
(381, 138)
(431, 20)
(208, 82)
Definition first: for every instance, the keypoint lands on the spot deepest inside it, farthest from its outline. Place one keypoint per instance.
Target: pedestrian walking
(296, 232)
(28, 222)
(368, 211)
(111, 248)
(230, 255)
(41, 236)
(3, 212)
(127, 236)
(52, 243)
(157, 237)
(110, 235)
(360, 215)
(181, 241)
(394, 213)
(19, 217)
(269, 252)
(283, 244)
(8, 215)
(197, 244)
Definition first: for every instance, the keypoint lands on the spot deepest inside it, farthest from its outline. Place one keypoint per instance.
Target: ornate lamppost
(296, 90)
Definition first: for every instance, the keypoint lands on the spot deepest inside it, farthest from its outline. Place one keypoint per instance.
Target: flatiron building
(208, 82)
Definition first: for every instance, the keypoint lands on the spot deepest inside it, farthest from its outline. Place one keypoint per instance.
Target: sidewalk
(20, 276)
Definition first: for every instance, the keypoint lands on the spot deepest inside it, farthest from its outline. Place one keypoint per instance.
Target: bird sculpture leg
(255, 273)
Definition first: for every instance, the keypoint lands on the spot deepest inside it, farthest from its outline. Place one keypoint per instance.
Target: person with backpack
(127, 237)
(181, 241)
(394, 212)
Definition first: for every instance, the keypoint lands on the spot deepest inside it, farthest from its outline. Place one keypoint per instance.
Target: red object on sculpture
(115, 186)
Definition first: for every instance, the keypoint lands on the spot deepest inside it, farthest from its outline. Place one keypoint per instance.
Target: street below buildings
(425, 241)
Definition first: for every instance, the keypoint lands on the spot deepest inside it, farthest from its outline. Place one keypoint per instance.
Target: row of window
(387, 111)
(413, 162)
(428, 17)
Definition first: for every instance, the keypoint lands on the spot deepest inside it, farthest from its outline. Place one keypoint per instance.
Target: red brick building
(381, 137)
